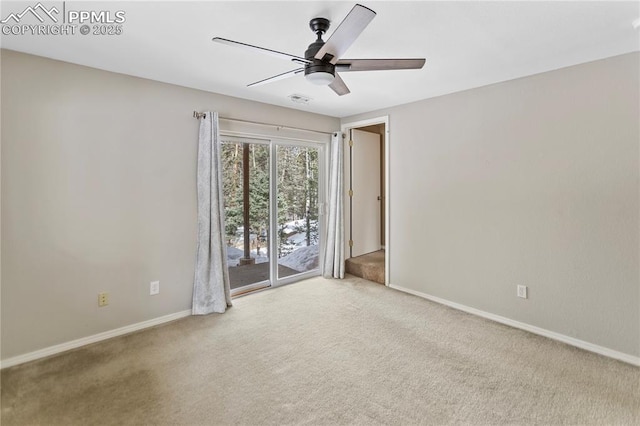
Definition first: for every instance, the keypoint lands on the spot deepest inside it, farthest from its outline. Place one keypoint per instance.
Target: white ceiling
(466, 44)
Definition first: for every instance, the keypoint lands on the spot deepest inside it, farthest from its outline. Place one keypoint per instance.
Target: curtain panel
(211, 289)
(334, 248)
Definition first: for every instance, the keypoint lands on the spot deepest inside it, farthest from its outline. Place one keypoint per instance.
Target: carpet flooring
(324, 352)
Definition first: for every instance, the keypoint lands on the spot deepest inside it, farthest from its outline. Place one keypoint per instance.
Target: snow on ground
(234, 254)
(299, 239)
(302, 259)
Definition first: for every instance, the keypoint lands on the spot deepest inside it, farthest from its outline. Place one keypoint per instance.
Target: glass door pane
(298, 234)
(245, 169)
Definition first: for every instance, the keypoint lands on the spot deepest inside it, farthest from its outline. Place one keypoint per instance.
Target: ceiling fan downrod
(318, 71)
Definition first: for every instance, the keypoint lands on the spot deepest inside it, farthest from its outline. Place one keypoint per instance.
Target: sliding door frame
(273, 214)
(273, 143)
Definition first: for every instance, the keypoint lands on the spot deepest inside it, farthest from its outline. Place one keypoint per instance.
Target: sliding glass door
(246, 180)
(271, 188)
(298, 209)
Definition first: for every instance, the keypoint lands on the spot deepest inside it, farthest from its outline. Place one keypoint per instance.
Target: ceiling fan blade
(277, 77)
(261, 49)
(346, 33)
(339, 87)
(345, 65)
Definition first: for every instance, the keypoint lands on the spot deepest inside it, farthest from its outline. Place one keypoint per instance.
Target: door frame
(345, 127)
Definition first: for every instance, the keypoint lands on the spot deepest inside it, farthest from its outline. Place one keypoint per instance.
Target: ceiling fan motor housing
(317, 65)
(318, 26)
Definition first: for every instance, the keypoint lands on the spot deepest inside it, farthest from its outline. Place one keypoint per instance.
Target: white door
(362, 176)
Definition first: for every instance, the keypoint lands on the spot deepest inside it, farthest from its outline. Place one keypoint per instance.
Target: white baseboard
(56, 349)
(634, 360)
(52, 350)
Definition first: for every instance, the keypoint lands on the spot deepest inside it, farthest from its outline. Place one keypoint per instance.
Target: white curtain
(334, 249)
(211, 291)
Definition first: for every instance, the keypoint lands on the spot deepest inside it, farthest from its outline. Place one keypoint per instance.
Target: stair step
(368, 266)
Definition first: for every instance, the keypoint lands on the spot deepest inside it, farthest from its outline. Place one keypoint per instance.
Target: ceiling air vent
(299, 99)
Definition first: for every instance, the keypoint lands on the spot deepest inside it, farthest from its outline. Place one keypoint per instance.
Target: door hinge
(351, 143)
(350, 243)
(351, 193)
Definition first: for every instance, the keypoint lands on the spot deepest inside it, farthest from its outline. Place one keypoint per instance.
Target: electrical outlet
(103, 299)
(522, 291)
(154, 288)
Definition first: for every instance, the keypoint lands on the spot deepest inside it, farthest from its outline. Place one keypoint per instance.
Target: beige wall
(533, 181)
(98, 194)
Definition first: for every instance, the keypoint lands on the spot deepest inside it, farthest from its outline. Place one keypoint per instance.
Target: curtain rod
(199, 115)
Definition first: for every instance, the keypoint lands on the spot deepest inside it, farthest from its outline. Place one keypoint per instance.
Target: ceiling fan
(322, 60)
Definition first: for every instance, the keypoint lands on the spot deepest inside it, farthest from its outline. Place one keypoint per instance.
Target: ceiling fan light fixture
(320, 78)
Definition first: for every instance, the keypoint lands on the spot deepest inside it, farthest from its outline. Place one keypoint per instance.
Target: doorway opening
(272, 194)
(366, 193)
